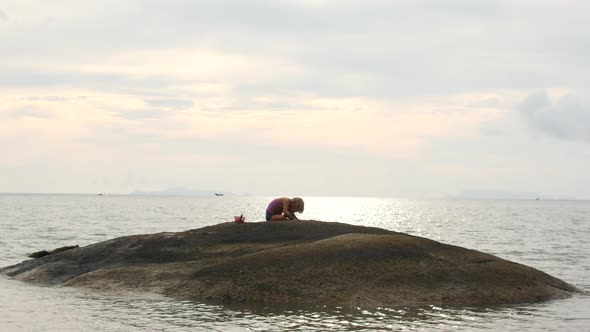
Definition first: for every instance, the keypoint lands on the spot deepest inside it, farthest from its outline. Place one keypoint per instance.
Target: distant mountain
(495, 194)
(180, 191)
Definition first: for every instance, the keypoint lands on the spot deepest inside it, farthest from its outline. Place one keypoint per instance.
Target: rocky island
(295, 262)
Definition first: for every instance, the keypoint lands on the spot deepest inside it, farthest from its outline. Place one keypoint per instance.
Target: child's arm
(286, 212)
(285, 202)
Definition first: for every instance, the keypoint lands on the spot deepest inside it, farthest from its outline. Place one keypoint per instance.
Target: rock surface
(298, 263)
(43, 253)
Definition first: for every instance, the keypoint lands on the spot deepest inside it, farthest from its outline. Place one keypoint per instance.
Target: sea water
(552, 236)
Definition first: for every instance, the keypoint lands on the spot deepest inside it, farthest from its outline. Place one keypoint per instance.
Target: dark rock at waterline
(295, 262)
(39, 254)
(43, 253)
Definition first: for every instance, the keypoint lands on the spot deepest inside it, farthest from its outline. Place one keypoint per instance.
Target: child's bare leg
(277, 217)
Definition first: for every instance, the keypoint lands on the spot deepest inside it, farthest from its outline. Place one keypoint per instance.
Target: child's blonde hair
(297, 205)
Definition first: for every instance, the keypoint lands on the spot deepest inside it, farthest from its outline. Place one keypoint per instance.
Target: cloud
(178, 104)
(339, 49)
(28, 113)
(396, 129)
(566, 118)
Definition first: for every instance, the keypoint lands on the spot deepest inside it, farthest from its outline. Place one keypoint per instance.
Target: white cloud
(175, 64)
(564, 117)
(394, 129)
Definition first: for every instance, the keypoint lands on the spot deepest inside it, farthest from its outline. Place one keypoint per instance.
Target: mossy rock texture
(295, 263)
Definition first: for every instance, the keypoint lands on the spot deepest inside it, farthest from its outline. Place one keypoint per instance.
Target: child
(284, 208)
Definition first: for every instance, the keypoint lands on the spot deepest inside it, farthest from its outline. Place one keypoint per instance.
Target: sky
(309, 98)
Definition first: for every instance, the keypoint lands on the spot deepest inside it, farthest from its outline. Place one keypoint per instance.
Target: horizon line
(156, 193)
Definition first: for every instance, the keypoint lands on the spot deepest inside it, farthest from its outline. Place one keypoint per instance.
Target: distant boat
(218, 194)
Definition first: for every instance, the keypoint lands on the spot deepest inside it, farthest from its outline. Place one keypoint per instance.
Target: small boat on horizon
(218, 194)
